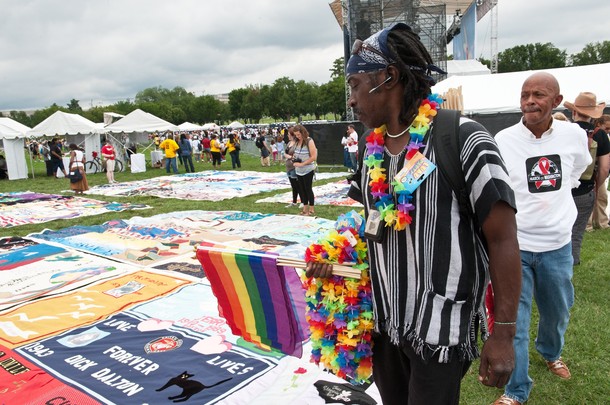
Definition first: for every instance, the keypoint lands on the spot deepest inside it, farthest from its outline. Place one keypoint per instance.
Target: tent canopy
(467, 67)
(12, 135)
(189, 126)
(500, 93)
(236, 125)
(11, 129)
(60, 124)
(140, 121)
(210, 125)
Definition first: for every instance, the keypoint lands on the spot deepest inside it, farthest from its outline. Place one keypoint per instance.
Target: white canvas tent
(210, 126)
(236, 125)
(140, 121)
(61, 124)
(468, 67)
(189, 126)
(12, 135)
(500, 93)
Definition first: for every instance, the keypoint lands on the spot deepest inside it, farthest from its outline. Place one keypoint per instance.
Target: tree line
(547, 56)
(290, 100)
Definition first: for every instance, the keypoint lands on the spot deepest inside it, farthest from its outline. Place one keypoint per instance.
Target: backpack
(259, 142)
(444, 138)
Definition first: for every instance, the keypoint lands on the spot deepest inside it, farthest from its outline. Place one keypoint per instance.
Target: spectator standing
(290, 171)
(186, 150)
(109, 155)
(347, 161)
(584, 109)
(599, 218)
(261, 144)
(57, 157)
(234, 147)
(215, 150)
(196, 146)
(280, 145)
(352, 146)
(544, 157)
(45, 151)
(170, 147)
(77, 163)
(206, 154)
(304, 161)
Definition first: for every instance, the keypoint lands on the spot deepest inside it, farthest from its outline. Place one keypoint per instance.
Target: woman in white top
(77, 164)
(304, 159)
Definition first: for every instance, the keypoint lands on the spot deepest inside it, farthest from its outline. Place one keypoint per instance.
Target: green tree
(22, 117)
(338, 69)
(592, 54)
(531, 57)
(305, 99)
(236, 102)
(74, 107)
(282, 93)
(41, 115)
(254, 103)
(485, 62)
(332, 97)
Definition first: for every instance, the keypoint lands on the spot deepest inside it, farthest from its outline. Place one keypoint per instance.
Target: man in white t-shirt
(545, 158)
(352, 146)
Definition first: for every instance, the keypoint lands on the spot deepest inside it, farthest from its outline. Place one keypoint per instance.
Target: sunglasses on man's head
(360, 45)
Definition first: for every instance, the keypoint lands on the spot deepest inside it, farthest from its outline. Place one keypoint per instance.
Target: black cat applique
(189, 387)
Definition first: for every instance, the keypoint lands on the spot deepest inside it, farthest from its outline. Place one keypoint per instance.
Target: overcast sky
(103, 51)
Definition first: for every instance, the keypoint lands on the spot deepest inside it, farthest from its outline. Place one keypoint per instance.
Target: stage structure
(361, 18)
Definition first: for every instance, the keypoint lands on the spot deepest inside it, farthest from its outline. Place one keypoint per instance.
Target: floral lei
(397, 213)
(340, 309)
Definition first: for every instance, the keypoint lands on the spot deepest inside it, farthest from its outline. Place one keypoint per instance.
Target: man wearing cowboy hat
(584, 109)
(544, 157)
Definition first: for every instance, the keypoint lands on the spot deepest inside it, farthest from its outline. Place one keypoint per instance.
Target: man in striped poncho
(430, 261)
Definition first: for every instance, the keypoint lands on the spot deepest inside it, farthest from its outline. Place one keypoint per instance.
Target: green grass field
(587, 340)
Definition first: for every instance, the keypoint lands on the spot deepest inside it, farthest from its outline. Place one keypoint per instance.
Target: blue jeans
(547, 277)
(171, 162)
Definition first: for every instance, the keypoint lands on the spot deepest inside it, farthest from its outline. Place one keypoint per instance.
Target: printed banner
(50, 316)
(24, 383)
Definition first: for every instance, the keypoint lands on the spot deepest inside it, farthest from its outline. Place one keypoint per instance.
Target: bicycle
(96, 165)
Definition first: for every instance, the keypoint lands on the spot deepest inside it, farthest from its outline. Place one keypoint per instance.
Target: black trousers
(306, 188)
(404, 378)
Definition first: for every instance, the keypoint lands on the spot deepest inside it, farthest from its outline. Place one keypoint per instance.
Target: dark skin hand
(500, 230)
(497, 356)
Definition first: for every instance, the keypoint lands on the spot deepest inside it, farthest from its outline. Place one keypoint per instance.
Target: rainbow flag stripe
(262, 302)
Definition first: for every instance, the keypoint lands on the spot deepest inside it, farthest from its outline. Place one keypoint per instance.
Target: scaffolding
(362, 18)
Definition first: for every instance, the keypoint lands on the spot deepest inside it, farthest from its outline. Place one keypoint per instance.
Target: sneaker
(504, 400)
(301, 205)
(559, 368)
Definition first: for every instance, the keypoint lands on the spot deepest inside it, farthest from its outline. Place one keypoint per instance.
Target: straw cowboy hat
(586, 104)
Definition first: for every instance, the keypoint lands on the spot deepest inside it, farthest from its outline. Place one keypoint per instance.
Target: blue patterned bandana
(373, 54)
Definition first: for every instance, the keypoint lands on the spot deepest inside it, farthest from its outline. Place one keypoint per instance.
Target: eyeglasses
(360, 45)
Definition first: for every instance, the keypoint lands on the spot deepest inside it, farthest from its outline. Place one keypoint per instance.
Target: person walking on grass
(109, 155)
(545, 158)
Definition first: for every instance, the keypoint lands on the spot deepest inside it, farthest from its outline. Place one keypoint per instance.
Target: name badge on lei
(415, 171)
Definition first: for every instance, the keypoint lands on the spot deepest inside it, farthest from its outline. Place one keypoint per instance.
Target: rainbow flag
(262, 302)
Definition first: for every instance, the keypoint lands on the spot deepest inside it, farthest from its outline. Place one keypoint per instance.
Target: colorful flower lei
(340, 309)
(396, 213)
